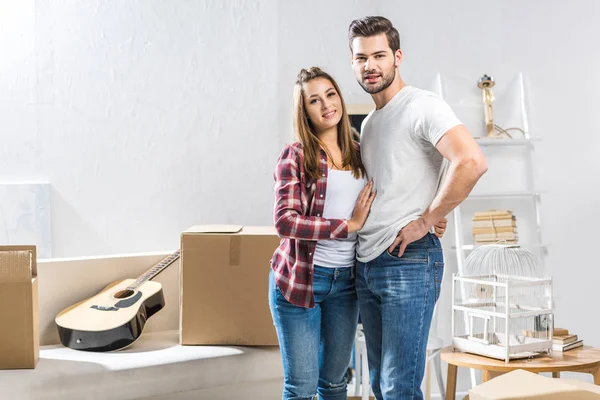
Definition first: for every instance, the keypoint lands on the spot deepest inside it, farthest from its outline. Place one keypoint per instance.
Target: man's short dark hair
(372, 26)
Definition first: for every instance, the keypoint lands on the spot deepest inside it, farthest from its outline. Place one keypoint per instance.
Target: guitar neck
(157, 269)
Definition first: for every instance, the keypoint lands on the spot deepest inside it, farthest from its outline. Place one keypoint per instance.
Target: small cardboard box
(520, 385)
(224, 281)
(19, 336)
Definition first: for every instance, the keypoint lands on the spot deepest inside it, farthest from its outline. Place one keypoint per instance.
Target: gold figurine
(486, 83)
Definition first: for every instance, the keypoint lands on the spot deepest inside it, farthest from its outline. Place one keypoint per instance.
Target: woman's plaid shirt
(299, 203)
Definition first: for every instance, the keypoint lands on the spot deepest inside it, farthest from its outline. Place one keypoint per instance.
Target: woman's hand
(362, 207)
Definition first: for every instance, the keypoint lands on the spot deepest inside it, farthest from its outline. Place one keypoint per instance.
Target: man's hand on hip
(440, 227)
(413, 231)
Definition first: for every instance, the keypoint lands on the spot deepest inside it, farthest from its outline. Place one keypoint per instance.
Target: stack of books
(495, 226)
(563, 340)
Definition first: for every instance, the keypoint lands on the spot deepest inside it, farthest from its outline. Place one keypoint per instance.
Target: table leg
(487, 375)
(427, 381)
(596, 373)
(556, 374)
(451, 382)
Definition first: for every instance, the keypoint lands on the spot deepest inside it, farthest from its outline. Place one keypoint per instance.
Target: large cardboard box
(520, 385)
(19, 336)
(224, 281)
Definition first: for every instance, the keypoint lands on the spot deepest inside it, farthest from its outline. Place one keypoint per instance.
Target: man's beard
(384, 83)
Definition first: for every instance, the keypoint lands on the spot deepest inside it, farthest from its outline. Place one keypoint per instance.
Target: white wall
(18, 136)
(145, 116)
(149, 116)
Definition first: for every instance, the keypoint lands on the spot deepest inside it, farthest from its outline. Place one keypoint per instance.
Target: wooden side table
(584, 359)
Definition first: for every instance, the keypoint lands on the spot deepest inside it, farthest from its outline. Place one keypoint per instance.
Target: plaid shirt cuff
(339, 229)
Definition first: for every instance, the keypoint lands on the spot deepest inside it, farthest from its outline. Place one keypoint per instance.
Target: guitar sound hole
(123, 294)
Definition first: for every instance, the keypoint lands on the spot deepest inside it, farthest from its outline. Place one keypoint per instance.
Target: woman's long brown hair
(305, 133)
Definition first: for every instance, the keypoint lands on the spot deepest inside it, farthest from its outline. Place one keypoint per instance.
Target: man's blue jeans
(397, 297)
(316, 343)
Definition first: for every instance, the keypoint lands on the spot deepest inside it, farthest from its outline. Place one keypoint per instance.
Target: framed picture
(357, 113)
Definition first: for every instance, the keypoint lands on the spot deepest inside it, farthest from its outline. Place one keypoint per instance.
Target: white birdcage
(502, 305)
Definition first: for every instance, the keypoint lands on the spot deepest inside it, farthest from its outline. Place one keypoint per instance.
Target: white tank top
(342, 191)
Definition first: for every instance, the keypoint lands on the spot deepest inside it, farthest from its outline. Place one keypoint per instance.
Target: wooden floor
(264, 390)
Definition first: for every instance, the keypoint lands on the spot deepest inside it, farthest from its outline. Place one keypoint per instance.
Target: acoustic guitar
(114, 318)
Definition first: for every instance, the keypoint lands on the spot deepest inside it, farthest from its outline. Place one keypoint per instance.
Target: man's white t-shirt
(398, 151)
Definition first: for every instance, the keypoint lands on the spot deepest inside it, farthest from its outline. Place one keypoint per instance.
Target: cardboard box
(224, 281)
(19, 336)
(520, 384)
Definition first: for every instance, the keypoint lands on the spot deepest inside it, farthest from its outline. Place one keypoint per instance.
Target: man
(404, 142)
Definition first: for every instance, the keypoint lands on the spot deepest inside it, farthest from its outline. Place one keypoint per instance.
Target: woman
(322, 199)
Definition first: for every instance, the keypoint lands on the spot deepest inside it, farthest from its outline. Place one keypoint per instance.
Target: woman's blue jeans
(316, 343)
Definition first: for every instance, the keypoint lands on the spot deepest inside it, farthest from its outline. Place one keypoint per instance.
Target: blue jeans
(397, 297)
(316, 343)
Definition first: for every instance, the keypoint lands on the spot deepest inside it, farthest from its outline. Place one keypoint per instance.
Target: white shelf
(502, 195)
(514, 102)
(504, 141)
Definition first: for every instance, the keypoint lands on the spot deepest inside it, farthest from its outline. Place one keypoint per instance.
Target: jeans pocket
(410, 255)
(276, 297)
(438, 273)
(321, 273)
(322, 285)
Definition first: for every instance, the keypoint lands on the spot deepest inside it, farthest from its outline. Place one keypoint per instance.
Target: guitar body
(111, 320)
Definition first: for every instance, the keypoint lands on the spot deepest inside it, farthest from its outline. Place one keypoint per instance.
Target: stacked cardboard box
(19, 336)
(520, 385)
(494, 226)
(225, 285)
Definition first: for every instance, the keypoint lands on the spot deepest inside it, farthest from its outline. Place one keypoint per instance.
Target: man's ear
(398, 57)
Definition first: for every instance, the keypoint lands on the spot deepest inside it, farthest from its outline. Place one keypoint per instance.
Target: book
(564, 339)
(496, 236)
(493, 213)
(560, 332)
(495, 219)
(536, 334)
(497, 229)
(496, 223)
(565, 347)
